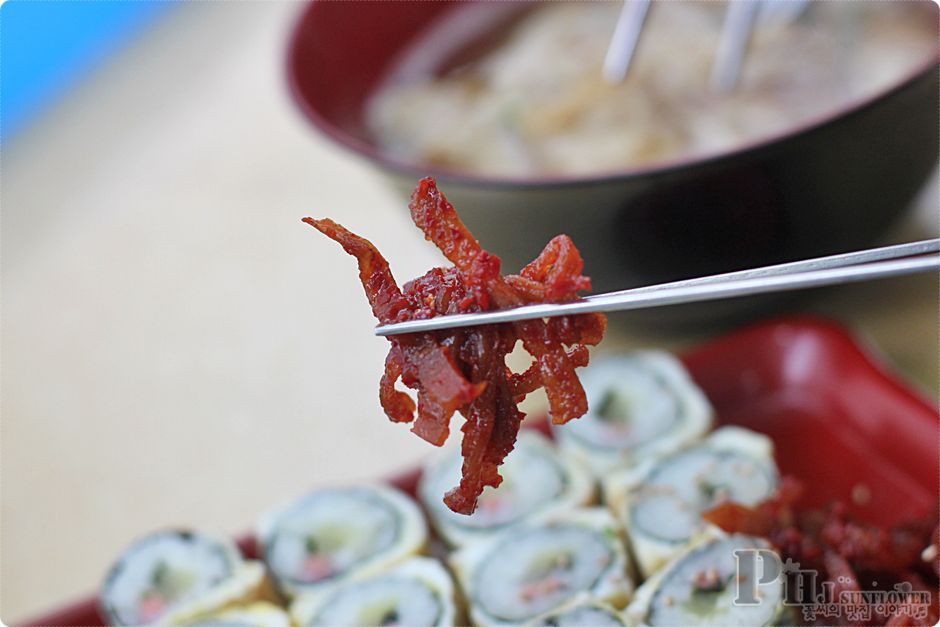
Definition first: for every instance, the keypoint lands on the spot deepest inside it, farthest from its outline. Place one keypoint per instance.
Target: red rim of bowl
(375, 154)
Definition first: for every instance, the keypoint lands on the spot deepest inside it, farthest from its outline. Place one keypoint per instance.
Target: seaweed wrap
(178, 576)
(641, 405)
(418, 593)
(538, 481)
(661, 503)
(332, 534)
(536, 568)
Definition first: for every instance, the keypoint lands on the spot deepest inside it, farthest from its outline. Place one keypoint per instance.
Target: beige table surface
(166, 357)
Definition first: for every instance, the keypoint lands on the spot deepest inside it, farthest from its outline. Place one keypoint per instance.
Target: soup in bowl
(830, 134)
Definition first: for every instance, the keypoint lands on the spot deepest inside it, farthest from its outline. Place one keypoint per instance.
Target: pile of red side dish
(853, 555)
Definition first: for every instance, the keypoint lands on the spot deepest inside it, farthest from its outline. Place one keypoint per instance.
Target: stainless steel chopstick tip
(835, 269)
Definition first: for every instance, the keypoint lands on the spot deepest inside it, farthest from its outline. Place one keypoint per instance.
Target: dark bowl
(830, 186)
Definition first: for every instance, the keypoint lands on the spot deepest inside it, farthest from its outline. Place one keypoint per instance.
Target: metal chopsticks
(741, 16)
(834, 269)
(626, 36)
(735, 37)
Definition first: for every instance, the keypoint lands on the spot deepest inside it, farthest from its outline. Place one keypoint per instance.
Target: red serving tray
(837, 414)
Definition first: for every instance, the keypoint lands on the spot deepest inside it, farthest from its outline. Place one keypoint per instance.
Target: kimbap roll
(536, 568)
(537, 481)
(661, 503)
(178, 576)
(417, 593)
(699, 588)
(260, 614)
(332, 534)
(589, 614)
(641, 405)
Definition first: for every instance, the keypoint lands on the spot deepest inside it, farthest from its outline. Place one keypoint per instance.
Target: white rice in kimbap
(641, 405)
(178, 576)
(537, 482)
(417, 593)
(661, 503)
(332, 534)
(584, 614)
(700, 585)
(537, 568)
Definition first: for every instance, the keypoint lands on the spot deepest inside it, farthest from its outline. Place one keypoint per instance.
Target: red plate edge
(839, 416)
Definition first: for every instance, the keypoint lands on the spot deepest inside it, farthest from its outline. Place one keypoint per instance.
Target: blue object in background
(46, 46)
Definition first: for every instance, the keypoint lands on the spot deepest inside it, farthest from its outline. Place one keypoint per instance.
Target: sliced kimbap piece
(700, 585)
(260, 614)
(584, 614)
(175, 576)
(661, 503)
(417, 593)
(537, 482)
(537, 568)
(330, 535)
(641, 405)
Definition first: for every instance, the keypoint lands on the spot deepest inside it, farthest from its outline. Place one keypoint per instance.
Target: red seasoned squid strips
(852, 555)
(464, 370)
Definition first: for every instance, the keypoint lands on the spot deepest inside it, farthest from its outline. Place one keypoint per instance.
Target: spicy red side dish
(853, 555)
(464, 370)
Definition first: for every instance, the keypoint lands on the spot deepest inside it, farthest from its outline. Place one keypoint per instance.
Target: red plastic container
(838, 416)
